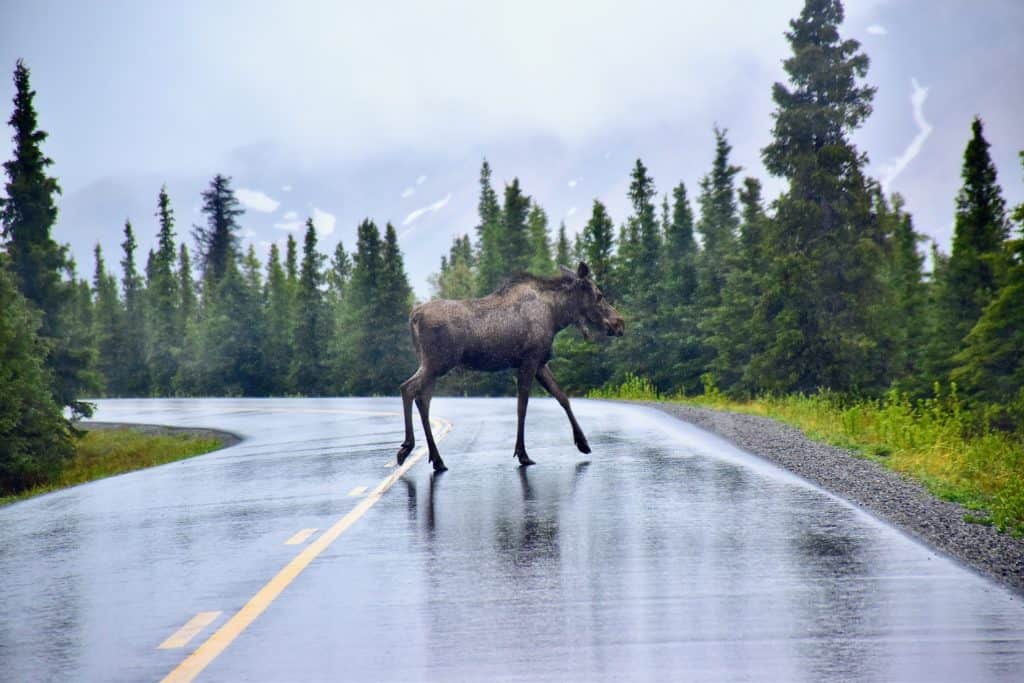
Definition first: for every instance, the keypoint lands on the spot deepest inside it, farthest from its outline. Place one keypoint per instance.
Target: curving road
(302, 554)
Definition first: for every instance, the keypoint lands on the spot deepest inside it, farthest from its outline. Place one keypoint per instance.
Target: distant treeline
(823, 288)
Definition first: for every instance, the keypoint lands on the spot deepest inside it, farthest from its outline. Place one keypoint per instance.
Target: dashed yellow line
(188, 669)
(357, 491)
(300, 537)
(189, 631)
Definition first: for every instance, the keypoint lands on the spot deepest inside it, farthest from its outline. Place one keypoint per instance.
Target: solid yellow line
(357, 491)
(226, 634)
(300, 536)
(189, 630)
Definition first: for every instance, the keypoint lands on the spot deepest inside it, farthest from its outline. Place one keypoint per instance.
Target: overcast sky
(338, 111)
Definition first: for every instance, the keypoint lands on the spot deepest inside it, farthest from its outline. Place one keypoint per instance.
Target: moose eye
(600, 297)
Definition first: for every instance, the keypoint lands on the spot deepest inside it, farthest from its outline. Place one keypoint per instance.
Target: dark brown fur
(512, 328)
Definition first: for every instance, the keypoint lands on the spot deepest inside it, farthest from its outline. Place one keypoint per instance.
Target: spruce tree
(252, 320)
(36, 260)
(822, 244)
(718, 223)
(131, 376)
(902, 334)
(978, 260)
(308, 367)
(163, 338)
(107, 322)
(186, 292)
(489, 255)
(645, 267)
(357, 353)
(637, 280)
(229, 353)
(29, 212)
(76, 321)
(731, 326)
(991, 365)
(680, 341)
(35, 439)
(680, 261)
(598, 246)
(563, 249)
(338, 275)
(218, 239)
(514, 239)
(541, 262)
(457, 278)
(280, 326)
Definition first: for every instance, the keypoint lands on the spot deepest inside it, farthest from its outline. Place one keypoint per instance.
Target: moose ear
(583, 271)
(567, 272)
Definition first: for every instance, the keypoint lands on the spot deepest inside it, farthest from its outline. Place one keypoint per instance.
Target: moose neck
(565, 308)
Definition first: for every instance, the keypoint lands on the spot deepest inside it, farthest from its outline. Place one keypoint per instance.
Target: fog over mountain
(340, 113)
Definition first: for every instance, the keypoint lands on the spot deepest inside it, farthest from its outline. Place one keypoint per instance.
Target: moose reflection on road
(665, 554)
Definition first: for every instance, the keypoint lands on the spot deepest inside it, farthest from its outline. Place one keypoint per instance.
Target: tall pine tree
(107, 321)
(37, 262)
(163, 336)
(218, 239)
(541, 261)
(681, 363)
(280, 326)
(977, 262)
(637, 279)
(991, 364)
(822, 244)
(308, 367)
(514, 239)
(718, 223)
(489, 252)
(131, 377)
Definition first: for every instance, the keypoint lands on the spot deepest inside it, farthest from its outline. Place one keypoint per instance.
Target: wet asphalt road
(666, 554)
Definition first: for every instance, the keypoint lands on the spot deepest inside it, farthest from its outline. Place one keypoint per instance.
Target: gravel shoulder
(892, 497)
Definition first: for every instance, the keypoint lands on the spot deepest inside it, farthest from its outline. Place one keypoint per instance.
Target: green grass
(104, 453)
(934, 440)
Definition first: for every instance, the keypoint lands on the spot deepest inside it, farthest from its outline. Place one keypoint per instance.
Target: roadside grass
(936, 441)
(105, 452)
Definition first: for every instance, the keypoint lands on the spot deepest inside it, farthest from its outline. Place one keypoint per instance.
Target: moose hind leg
(547, 380)
(524, 382)
(423, 404)
(410, 390)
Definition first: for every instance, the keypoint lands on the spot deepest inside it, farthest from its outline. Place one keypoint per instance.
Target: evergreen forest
(826, 288)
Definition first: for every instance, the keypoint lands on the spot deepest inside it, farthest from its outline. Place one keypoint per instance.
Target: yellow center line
(300, 536)
(189, 630)
(357, 491)
(192, 665)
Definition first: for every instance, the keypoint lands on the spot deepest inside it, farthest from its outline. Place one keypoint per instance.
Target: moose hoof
(439, 466)
(524, 460)
(403, 453)
(582, 444)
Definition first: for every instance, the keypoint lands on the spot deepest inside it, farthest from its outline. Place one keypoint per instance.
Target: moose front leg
(547, 380)
(524, 382)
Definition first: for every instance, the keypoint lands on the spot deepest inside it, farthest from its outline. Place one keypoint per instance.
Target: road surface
(666, 554)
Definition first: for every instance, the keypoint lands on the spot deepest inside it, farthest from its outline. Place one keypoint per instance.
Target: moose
(513, 327)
